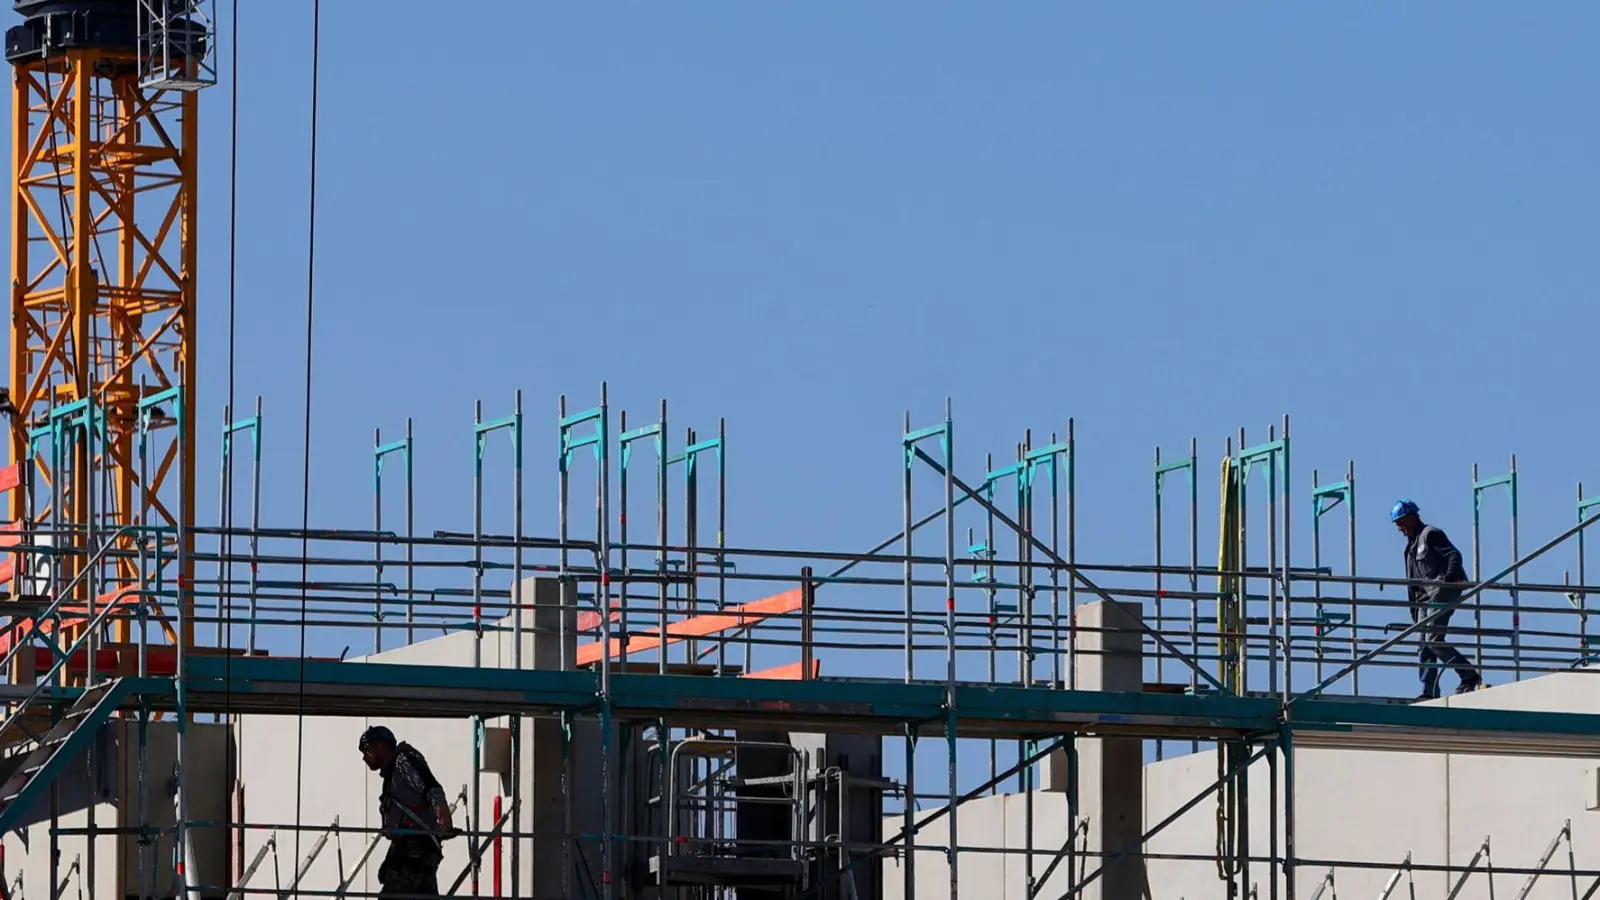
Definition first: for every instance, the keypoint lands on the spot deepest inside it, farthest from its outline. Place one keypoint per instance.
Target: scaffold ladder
(58, 746)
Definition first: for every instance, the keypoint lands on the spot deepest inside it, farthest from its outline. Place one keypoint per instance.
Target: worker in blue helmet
(414, 812)
(1430, 557)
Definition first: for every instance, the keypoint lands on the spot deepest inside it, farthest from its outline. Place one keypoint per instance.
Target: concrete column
(1110, 770)
(552, 621)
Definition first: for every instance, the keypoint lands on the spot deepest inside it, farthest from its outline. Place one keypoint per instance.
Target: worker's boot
(1470, 683)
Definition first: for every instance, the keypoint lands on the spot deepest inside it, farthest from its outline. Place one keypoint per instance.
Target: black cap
(376, 734)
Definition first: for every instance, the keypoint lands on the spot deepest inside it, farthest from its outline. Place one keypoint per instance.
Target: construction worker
(414, 813)
(1431, 557)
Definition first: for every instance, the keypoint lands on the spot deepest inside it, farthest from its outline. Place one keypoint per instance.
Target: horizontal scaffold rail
(331, 688)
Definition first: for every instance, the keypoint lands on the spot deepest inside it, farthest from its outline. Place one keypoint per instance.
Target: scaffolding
(664, 669)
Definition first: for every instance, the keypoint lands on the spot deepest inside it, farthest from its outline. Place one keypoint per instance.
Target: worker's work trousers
(403, 874)
(1434, 655)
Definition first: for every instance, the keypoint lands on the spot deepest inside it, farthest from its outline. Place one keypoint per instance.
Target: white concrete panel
(1050, 832)
(1170, 784)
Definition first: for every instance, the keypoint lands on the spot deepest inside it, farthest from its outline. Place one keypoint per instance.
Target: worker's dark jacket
(407, 802)
(1431, 557)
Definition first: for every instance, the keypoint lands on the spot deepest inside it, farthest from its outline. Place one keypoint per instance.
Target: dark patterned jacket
(406, 804)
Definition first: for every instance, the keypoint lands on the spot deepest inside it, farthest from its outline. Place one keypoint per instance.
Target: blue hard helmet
(1402, 509)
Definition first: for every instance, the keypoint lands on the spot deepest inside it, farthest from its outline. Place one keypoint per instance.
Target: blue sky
(1164, 221)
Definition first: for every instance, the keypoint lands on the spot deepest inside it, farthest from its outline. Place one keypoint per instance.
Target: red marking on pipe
(605, 877)
(1161, 593)
(605, 578)
(497, 850)
(950, 603)
(477, 612)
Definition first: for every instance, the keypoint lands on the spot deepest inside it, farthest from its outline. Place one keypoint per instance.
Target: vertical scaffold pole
(950, 637)
(1479, 488)
(599, 440)
(1188, 467)
(516, 653)
(691, 503)
(481, 432)
(1325, 498)
(910, 440)
(477, 619)
(1355, 589)
(225, 536)
(1072, 555)
(608, 812)
(663, 560)
(1286, 744)
(987, 550)
(722, 549)
(183, 592)
(230, 431)
(141, 518)
(563, 459)
(380, 452)
(908, 457)
(1286, 566)
(1274, 455)
(1580, 598)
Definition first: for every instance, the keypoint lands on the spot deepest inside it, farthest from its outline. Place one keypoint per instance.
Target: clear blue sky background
(1163, 221)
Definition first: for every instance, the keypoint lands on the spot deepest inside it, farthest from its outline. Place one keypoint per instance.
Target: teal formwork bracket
(252, 426)
(1326, 498)
(692, 452)
(1186, 466)
(627, 439)
(1273, 454)
(912, 438)
(482, 430)
(571, 443)
(403, 447)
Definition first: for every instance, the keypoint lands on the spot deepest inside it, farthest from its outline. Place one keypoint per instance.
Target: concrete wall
(335, 781)
(1351, 805)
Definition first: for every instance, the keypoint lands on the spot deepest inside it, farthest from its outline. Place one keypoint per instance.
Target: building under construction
(634, 711)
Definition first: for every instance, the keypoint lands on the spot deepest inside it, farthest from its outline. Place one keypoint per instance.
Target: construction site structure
(643, 713)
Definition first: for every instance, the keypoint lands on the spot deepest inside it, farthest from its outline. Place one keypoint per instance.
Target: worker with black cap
(414, 813)
(1430, 557)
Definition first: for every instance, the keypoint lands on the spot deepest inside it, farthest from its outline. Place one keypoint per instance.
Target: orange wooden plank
(10, 477)
(792, 672)
(589, 621)
(699, 626)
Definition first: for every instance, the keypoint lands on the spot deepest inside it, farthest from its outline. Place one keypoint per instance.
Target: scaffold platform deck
(281, 686)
